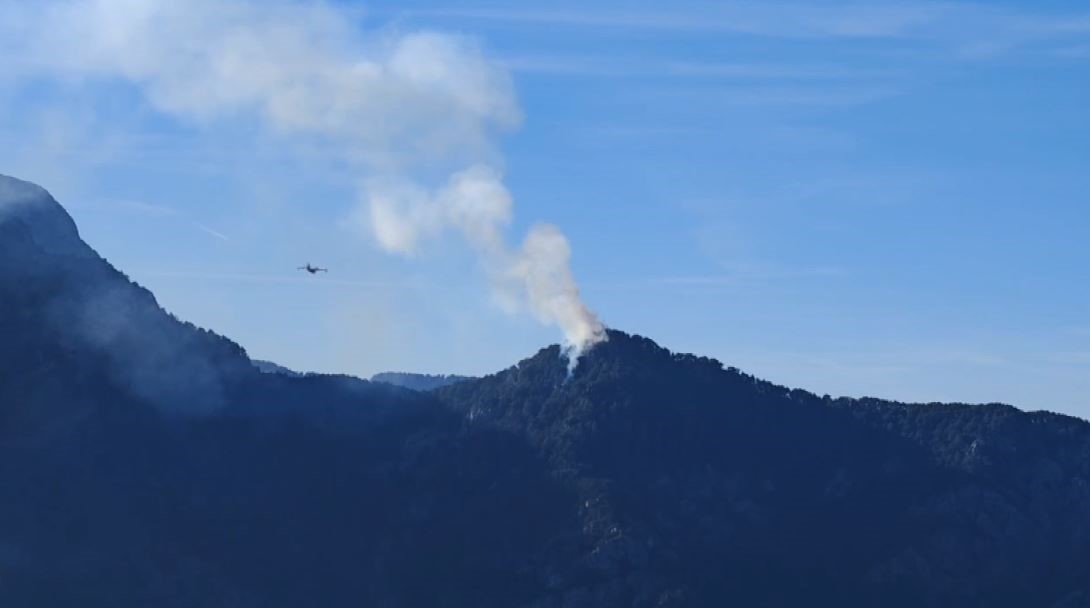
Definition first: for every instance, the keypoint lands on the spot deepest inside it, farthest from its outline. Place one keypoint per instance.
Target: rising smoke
(394, 104)
(476, 204)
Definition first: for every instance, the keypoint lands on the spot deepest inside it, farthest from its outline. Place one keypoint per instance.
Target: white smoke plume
(543, 267)
(475, 203)
(393, 104)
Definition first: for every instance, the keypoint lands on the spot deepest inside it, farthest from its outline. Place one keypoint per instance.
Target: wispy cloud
(968, 30)
(153, 210)
(127, 206)
(1071, 52)
(753, 272)
(768, 94)
(632, 67)
(781, 20)
(211, 232)
(271, 278)
(738, 275)
(739, 84)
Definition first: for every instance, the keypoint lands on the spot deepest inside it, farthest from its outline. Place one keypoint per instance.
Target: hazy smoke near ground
(394, 104)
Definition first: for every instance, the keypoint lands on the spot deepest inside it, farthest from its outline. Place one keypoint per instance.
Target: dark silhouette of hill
(268, 367)
(147, 462)
(418, 382)
(704, 484)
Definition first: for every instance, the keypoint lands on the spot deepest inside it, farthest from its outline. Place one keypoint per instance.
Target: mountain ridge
(44, 219)
(894, 469)
(419, 382)
(145, 461)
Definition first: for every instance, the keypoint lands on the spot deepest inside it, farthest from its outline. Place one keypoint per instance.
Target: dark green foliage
(701, 484)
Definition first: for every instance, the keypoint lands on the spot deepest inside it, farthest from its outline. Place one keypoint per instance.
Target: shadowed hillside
(144, 461)
(704, 483)
(418, 382)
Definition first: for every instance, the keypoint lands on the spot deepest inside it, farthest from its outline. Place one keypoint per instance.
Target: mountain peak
(73, 313)
(14, 190)
(640, 348)
(621, 353)
(29, 208)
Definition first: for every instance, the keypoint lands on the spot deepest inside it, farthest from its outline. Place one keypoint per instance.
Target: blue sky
(884, 199)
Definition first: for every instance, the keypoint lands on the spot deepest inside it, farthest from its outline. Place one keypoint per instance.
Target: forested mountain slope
(147, 462)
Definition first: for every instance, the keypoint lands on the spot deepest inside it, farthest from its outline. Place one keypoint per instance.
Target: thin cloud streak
(213, 233)
(571, 65)
(155, 211)
(794, 21)
(244, 277)
(740, 277)
(968, 31)
(755, 273)
(127, 206)
(776, 95)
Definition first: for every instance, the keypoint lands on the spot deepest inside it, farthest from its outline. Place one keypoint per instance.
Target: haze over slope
(418, 382)
(415, 116)
(144, 461)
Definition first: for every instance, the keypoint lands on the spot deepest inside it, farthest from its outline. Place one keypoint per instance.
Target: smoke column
(475, 203)
(394, 104)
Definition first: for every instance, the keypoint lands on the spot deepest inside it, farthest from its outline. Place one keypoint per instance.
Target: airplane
(312, 269)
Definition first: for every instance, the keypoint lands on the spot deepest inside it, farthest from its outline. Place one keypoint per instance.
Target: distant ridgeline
(147, 462)
(268, 367)
(418, 382)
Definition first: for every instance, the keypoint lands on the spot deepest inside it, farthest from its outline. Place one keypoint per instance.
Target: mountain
(418, 382)
(268, 367)
(145, 461)
(700, 484)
